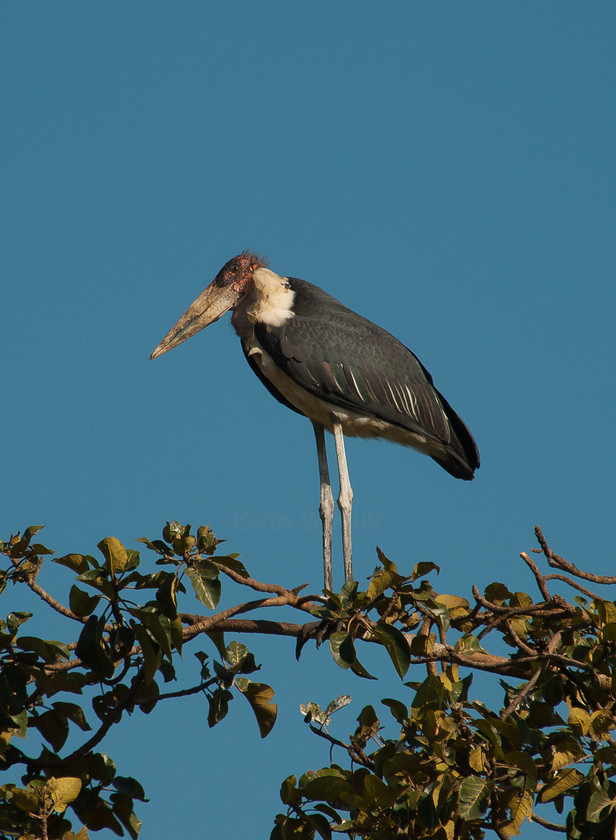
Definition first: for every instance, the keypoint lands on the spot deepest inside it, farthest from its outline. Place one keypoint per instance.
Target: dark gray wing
(352, 363)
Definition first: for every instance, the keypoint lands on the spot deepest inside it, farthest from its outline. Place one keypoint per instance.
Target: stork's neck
(270, 301)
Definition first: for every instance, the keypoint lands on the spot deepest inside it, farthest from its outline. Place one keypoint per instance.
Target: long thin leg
(345, 501)
(326, 505)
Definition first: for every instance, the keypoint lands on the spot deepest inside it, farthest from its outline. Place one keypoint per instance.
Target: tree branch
(555, 560)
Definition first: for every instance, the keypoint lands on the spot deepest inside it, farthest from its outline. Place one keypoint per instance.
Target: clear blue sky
(445, 169)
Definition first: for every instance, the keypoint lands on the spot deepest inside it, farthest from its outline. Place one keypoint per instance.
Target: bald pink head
(238, 271)
(224, 292)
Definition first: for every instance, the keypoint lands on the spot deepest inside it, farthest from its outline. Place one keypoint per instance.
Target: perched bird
(338, 369)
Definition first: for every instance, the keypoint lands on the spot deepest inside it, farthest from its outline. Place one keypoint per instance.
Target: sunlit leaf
(260, 697)
(76, 562)
(521, 809)
(63, 791)
(565, 779)
(337, 703)
(424, 568)
(115, 555)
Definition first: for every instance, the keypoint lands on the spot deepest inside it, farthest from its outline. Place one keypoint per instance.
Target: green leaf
(156, 545)
(81, 603)
(218, 639)
(380, 582)
(331, 813)
(566, 751)
(468, 644)
(331, 787)
(92, 648)
(53, 727)
(521, 808)
(16, 619)
(47, 649)
(343, 651)
(337, 703)
(26, 800)
(166, 597)
(98, 579)
(81, 835)
(219, 705)
(74, 713)
(115, 555)
(598, 806)
(260, 697)
(396, 644)
(63, 791)
(497, 593)
(123, 809)
(235, 653)
(289, 794)
(565, 779)
(456, 605)
(424, 568)
(102, 767)
(474, 793)
(398, 709)
(76, 562)
(152, 654)
(206, 588)
(578, 721)
(523, 761)
(173, 629)
(230, 561)
(312, 711)
(129, 786)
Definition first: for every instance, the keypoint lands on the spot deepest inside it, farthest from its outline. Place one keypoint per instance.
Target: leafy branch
(452, 767)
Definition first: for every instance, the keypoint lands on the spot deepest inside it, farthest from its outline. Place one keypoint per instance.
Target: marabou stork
(338, 369)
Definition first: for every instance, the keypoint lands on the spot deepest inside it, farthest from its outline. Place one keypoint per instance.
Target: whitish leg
(326, 506)
(345, 501)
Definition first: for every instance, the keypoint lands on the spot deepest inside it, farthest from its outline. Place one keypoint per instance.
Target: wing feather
(337, 355)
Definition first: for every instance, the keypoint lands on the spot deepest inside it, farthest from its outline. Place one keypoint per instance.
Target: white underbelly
(320, 411)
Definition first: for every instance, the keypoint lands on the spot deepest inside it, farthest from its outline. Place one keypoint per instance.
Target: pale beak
(209, 307)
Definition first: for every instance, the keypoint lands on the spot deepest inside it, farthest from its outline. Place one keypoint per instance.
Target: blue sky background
(445, 169)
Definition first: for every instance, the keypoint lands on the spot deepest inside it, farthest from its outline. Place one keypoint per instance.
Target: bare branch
(30, 580)
(555, 560)
(538, 576)
(292, 595)
(547, 824)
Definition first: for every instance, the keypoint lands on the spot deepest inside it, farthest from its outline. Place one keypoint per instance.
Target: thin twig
(113, 717)
(555, 560)
(45, 596)
(292, 595)
(574, 584)
(554, 641)
(538, 576)
(521, 645)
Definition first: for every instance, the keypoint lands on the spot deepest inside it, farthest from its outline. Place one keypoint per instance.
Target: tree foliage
(435, 762)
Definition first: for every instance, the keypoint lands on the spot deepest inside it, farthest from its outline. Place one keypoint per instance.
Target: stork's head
(225, 291)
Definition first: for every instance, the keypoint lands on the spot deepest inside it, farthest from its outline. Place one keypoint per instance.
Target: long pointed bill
(209, 307)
